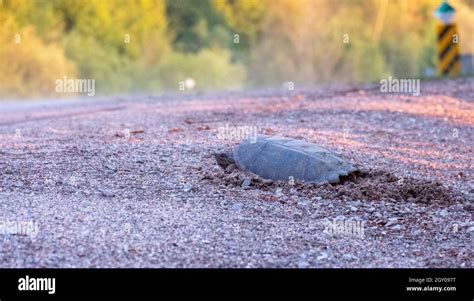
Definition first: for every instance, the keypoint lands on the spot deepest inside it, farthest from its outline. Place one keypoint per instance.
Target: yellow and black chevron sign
(449, 62)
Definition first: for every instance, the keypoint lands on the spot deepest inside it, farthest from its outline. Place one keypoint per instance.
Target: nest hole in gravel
(371, 185)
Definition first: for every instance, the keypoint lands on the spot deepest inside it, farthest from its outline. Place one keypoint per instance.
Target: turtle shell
(279, 158)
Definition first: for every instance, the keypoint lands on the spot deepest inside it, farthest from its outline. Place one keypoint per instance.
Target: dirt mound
(371, 185)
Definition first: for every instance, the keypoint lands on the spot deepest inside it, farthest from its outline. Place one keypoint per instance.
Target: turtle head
(224, 159)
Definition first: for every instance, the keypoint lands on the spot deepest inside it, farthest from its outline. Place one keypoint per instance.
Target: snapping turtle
(279, 158)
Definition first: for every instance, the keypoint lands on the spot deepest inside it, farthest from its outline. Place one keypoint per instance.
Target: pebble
(469, 197)
(349, 257)
(187, 187)
(297, 216)
(246, 183)
(345, 198)
(323, 256)
(69, 189)
(443, 213)
(237, 206)
(303, 264)
(370, 209)
(397, 227)
(391, 222)
(303, 204)
(37, 187)
(18, 184)
(107, 194)
(110, 167)
(279, 192)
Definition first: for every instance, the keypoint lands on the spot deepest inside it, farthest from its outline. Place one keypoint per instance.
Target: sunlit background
(154, 45)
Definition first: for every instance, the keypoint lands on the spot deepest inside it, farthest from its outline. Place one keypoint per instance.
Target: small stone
(391, 222)
(297, 216)
(303, 204)
(237, 206)
(377, 215)
(443, 213)
(107, 194)
(370, 209)
(349, 257)
(397, 227)
(69, 189)
(37, 187)
(110, 167)
(322, 256)
(353, 208)
(469, 197)
(246, 183)
(187, 187)
(317, 198)
(345, 198)
(303, 264)
(18, 184)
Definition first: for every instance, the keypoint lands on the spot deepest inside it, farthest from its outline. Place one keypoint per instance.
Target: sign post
(449, 62)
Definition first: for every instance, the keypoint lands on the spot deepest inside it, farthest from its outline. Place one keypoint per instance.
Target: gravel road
(130, 181)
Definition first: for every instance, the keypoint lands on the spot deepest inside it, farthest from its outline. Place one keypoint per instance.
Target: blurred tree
(29, 66)
(153, 44)
(245, 17)
(195, 25)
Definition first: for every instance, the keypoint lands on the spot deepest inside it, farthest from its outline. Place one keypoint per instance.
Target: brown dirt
(370, 185)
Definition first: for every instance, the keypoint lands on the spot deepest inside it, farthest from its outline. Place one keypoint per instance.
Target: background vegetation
(152, 45)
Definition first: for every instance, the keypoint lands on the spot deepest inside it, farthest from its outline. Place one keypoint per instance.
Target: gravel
(132, 182)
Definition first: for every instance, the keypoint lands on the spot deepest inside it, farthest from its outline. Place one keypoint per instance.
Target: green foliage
(195, 25)
(112, 72)
(150, 45)
(29, 66)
